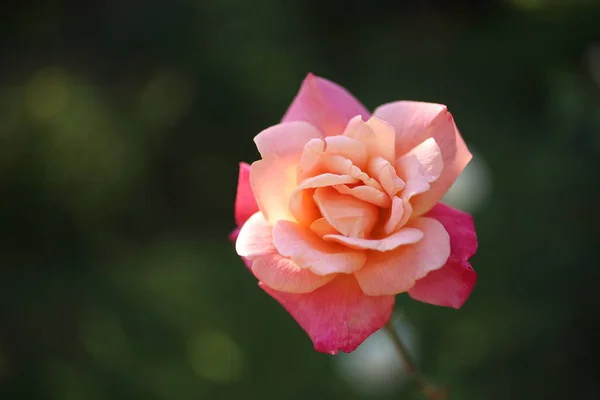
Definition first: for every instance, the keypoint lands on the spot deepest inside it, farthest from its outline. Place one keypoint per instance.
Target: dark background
(121, 127)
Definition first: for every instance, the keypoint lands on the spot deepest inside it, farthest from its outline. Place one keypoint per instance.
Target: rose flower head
(342, 212)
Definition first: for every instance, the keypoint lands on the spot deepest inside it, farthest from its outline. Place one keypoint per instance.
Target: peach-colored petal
(396, 214)
(283, 274)
(343, 166)
(381, 170)
(302, 205)
(245, 205)
(347, 214)
(308, 250)
(414, 122)
(377, 136)
(396, 271)
(255, 238)
(349, 148)
(321, 227)
(286, 139)
(403, 237)
(366, 193)
(273, 180)
(337, 316)
(325, 105)
(310, 164)
(424, 202)
(411, 171)
(451, 285)
(430, 156)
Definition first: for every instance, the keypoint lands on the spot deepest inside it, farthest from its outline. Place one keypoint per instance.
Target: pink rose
(342, 212)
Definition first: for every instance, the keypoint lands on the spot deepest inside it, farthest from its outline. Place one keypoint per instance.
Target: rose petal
(396, 214)
(381, 170)
(321, 227)
(273, 180)
(414, 122)
(347, 214)
(337, 316)
(424, 202)
(310, 161)
(286, 139)
(366, 193)
(325, 105)
(396, 271)
(255, 238)
(349, 148)
(245, 204)
(283, 274)
(430, 156)
(308, 250)
(377, 136)
(451, 285)
(403, 237)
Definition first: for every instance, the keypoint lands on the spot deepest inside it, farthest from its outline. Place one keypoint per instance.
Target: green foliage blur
(121, 127)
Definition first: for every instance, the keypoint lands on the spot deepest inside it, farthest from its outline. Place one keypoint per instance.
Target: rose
(342, 212)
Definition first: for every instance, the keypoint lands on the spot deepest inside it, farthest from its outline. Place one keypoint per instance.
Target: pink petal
(308, 250)
(366, 193)
(286, 139)
(376, 135)
(424, 202)
(325, 105)
(310, 161)
(347, 214)
(338, 316)
(430, 156)
(414, 122)
(255, 238)
(283, 274)
(245, 205)
(451, 285)
(396, 271)
(403, 237)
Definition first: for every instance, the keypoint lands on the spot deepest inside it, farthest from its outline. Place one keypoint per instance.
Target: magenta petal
(325, 105)
(451, 285)
(245, 204)
(337, 316)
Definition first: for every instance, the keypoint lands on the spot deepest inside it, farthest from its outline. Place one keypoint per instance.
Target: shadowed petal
(338, 316)
(325, 105)
(403, 237)
(451, 285)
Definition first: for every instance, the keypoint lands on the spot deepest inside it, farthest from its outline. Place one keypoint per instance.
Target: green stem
(430, 391)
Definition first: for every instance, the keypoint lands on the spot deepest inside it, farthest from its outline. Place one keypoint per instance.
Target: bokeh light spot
(215, 356)
(47, 93)
(473, 187)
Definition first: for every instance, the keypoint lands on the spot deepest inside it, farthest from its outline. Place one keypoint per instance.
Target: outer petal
(255, 238)
(415, 122)
(337, 316)
(283, 274)
(396, 271)
(325, 105)
(451, 285)
(245, 204)
(286, 139)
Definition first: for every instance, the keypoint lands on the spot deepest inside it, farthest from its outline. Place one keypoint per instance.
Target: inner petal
(396, 214)
(343, 166)
(350, 216)
(380, 169)
(377, 136)
(402, 237)
(411, 171)
(321, 227)
(349, 148)
(430, 156)
(366, 193)
(308, 250)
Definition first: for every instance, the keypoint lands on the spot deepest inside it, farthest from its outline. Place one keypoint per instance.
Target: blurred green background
(121, 127)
